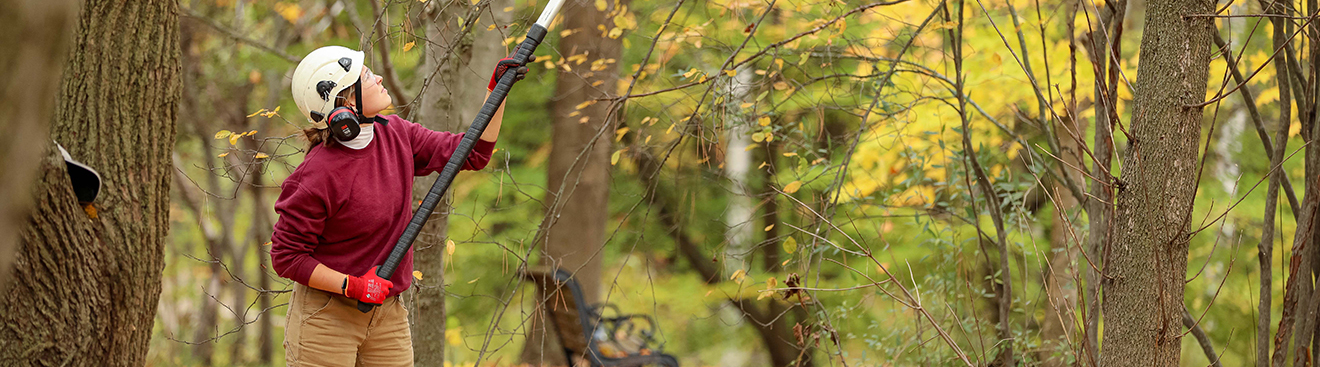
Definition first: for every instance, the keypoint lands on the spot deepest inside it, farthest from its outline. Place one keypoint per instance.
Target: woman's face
(374, 95)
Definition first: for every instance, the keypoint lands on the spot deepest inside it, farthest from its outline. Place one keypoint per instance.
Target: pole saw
(524, 50)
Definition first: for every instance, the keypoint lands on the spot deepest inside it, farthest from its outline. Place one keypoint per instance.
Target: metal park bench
(586, 332)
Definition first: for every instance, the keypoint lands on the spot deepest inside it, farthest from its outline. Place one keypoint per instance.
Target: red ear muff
(343, 123)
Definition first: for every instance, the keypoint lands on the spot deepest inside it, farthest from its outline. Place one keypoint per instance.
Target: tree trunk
(91, 282)
(738, 219)
(436, 113)
(1144, 280)
(1058, 327)
(449, 101)
(35, 35)
(579, 166)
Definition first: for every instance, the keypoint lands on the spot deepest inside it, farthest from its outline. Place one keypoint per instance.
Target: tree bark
(1143, 284)
(35, 34)
(90, 282)
(579, 180)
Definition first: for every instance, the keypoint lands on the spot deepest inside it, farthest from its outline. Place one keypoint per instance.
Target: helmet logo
(323, 88)
(345, 62)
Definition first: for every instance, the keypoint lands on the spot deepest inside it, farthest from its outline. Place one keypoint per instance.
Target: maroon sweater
(346, 208)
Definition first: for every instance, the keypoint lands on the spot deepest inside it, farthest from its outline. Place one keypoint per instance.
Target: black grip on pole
(456, 161)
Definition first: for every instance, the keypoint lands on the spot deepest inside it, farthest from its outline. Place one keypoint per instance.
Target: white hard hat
(319, 78)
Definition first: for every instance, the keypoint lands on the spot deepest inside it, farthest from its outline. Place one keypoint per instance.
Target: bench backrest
(566, 308)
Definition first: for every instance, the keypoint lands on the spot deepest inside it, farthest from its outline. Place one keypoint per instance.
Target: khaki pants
(325, 329)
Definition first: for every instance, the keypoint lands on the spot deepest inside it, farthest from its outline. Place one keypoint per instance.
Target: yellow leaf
(763, 121)
(792, 187)
(790, 154)
(223, 133)
(689, 73)
(254, 132)
(790, 245)
(746, 105)
(731, 72)
(262, 155)
(780, 85)
(409, 45)
(508, 9)
(648, 140)
(758, 137)
(490, 27)
(474, 280)
(449, 247)
(601, 5)
(618, 134)
(417, 274)
(233, 139)
(222, 155)
(614, 159)
(750, 147)
(767, 229)
(738, 276)
(584, 104)
(615, 33)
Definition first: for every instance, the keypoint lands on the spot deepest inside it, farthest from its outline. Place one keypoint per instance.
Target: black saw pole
(525, 50)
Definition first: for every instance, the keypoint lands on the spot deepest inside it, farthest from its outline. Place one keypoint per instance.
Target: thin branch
(191, 14)
(1201, 339)
(387, 64)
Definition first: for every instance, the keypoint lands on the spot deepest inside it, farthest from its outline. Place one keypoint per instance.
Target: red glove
(368, 288)
(504, 65)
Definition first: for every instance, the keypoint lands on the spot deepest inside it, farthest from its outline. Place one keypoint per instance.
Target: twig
(191, 14)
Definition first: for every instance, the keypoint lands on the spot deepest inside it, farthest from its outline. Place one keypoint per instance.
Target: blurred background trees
(783, 183)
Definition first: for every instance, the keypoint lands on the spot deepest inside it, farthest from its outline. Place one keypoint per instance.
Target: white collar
(364, 137)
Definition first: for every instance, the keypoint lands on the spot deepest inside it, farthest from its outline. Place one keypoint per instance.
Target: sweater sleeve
(298, 230)
(432, 149)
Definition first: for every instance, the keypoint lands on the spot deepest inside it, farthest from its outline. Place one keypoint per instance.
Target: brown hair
(317, 136)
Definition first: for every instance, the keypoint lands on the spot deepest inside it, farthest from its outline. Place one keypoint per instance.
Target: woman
(344, 207)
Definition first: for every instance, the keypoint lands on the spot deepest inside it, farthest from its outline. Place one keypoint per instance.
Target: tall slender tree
(1143, 278)
(457, 63)
(579, 180)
